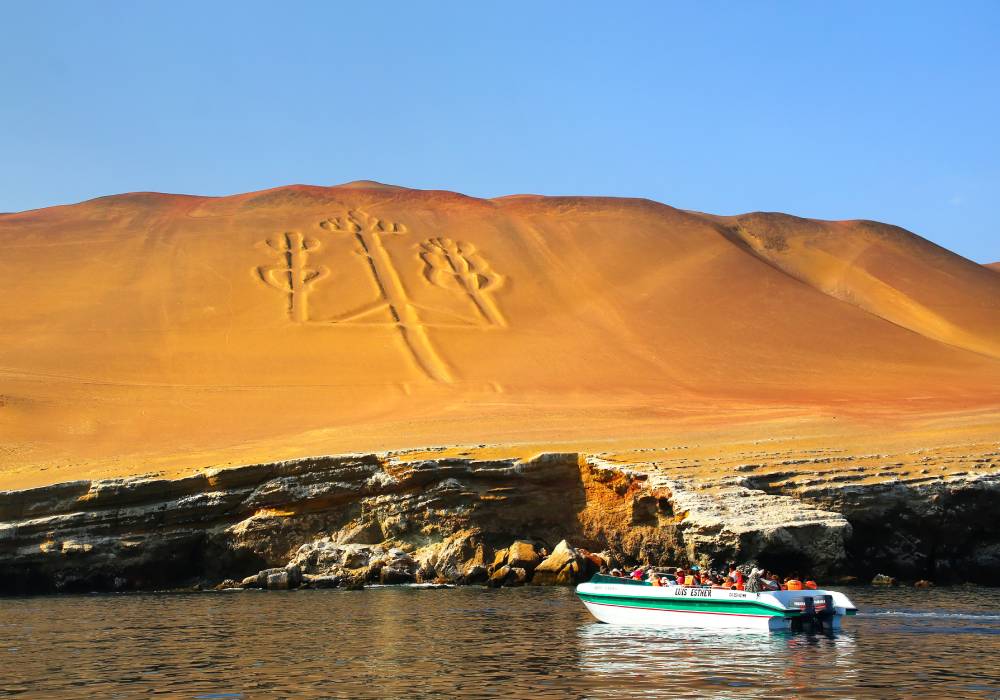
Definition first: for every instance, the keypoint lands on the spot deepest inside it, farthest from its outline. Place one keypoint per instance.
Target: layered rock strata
(356, 519)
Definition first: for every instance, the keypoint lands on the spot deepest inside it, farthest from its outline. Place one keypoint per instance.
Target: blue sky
(887, 111)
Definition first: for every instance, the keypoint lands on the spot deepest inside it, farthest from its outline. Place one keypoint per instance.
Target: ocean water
(478, 643)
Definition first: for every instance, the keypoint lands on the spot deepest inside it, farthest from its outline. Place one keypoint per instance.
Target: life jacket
(793, 585)
(811, 585)
(740, 587)
(689, 580)
(656, 581)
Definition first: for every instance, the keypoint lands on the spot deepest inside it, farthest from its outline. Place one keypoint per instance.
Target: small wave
(980, 617)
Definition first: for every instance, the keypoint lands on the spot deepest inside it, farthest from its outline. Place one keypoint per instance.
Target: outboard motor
(808, 616)
(826, 615)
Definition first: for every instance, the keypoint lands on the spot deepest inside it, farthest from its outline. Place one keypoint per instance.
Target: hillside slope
(145, 330)
(886, 270)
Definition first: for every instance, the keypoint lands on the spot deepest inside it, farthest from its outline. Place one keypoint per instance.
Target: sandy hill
(994, 266)
(151, 330)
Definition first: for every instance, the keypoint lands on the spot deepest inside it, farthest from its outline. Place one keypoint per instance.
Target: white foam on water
(932, 615)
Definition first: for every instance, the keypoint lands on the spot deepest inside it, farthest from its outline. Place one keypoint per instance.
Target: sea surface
(398, 642)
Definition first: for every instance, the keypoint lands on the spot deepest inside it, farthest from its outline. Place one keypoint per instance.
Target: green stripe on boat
(742, 607)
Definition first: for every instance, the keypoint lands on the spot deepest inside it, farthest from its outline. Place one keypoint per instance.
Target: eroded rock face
(327, 563)
(941, 529)
(735, 523)
(461, 557)
(357, 519)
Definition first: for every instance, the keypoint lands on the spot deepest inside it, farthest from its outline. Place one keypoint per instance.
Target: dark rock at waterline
(523, 555)
(508, 575)
(390, 575)
(566, 565)
(353, 583)
(323, 581)
(475, 574)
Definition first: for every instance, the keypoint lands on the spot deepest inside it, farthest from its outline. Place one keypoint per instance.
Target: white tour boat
(622, 601)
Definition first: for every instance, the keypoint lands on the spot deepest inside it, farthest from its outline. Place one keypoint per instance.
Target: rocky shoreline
(351, 520)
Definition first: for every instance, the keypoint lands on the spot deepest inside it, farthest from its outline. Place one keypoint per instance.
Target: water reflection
(739, 663)
(478, 643)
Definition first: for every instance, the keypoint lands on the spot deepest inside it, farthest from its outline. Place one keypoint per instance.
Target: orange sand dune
(167, 331)
(994, 266)
(886, 270)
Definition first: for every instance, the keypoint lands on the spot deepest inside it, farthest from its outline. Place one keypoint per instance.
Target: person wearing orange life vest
(793, 584)
(811, 585)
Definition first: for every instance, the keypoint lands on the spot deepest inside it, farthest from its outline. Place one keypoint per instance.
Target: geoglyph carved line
(368, 231)
(293, 276)
(458, 266)
(453, 265)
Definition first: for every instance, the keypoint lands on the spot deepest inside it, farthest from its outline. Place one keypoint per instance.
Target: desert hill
(147, 331)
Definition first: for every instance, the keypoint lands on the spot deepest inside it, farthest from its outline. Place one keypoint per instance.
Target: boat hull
(620, 602)
(653, 617)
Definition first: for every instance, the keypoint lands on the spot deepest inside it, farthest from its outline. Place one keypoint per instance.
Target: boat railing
(605, 578)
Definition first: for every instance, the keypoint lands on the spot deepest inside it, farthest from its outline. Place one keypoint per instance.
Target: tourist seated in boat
(810, 585)
(617, 572)
(792, 583)
(666, 578)
(735, 575)
(771, 581)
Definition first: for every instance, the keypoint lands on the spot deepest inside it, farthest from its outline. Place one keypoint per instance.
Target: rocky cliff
(352, 519)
